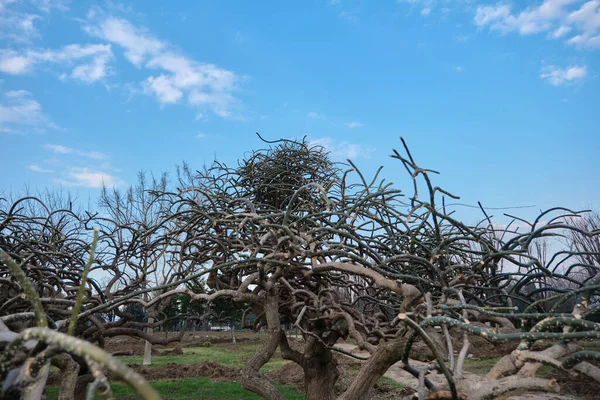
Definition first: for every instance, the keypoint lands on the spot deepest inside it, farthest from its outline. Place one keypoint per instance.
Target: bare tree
(587, 248)
(291, 235)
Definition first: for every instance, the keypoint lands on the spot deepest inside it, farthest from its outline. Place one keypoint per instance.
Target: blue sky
(502, 98)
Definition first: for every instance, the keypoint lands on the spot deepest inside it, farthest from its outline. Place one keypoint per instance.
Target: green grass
(480, 366)
(385, 379)
(229, 357)
(273, 363)
(194, 388)
(203, 387)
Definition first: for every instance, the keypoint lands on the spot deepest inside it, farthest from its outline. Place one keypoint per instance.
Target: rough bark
(251, 377)
(36, 390)
(509, 364)
(148, 345)
(383, 358)
(69, 371)
(320, 370)
(512, 383)
(555, 352)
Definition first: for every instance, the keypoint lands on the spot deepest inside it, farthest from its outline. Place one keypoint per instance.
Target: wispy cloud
(344, 12)
(20, 113)
(556, 17)
(173, 77)
(354, 124)
(343, 149)
(349, 15)
(72, 167)
(316, 115)
(425, 6)
(19, 26)
(560, 76)
(59, 149)
(89, 178)
(458, 68)
(88, 63)
(37, 168)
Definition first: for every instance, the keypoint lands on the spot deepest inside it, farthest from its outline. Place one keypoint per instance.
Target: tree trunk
(251, 377)
(148, 345)
(382, 359)
(69, 372)
(320, 371)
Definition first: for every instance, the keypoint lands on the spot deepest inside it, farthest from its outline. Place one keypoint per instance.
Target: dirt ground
(135, 346)
(215, 371)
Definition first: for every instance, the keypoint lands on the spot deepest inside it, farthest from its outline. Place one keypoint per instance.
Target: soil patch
(135, 346)
(580, 386)
(215, 371)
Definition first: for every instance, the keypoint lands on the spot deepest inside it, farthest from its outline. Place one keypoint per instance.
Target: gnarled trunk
(382, 359)
(69, 372)
(320, 371)
(251, 377)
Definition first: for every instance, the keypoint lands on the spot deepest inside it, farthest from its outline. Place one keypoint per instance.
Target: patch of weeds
(480, 366)
(194, 388)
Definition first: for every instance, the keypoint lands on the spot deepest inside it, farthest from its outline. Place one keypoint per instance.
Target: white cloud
(354, 124)
(37, 168)
(89, 62)
(458, 68)
(558, 76)
(73, 167)
(11, 63)
(491, 15)
(557, 17)
(163, 88)
(138, 43)
(202, 135)
(218, 102)
(561, 31)
(19, 26)
(20, 113)
(343, 149)
(59, 149)
(585, 41)
(89, 178)
(48, 5)
(315, 115)
(206, 86)
(426, 6)
(587, 18)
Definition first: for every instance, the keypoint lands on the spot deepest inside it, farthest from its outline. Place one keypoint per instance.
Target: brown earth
(212, 370)
(135, 346)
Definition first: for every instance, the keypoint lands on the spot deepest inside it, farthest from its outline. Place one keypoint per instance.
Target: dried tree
(360, 260)
(304, 242)
(44, 264)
